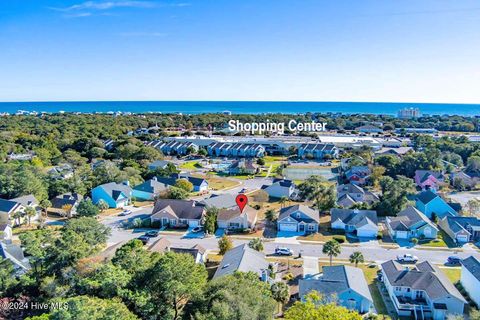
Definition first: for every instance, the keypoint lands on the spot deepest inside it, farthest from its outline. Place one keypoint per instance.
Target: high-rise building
(407, 113)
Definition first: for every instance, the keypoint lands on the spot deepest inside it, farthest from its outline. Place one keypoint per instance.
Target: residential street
(371, 250)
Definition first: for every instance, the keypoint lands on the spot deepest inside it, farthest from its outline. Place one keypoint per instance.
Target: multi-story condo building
(408, 113)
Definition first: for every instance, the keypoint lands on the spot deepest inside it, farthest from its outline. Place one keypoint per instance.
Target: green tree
(102, 205)
(280, 293)
(132, 257)
(282, 201)
(86, 208)
(316, 189)
(210, 224)
(261, 161)
(313, 309)
(332, 249)
(174, 280)
(224, 244)
(356, 258)
(177, 193)
(30, 212)
(271, 215)
(89, 308)
(239, 296)
(256, 244)
(395, 194)
(7, 276)
(184, 184)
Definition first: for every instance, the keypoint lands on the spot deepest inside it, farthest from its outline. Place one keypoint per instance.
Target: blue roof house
(116, 195)
(430, 203)
(149, 189)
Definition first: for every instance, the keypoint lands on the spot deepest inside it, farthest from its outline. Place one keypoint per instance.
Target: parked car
(407, 258)
(283, 251)
(454, 260)
(197, 229)
(125, 213)
(152, 234)
(145, 239)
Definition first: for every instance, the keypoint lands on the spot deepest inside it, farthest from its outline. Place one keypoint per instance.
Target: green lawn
(438, 243)
(190, 165)
(453, 274)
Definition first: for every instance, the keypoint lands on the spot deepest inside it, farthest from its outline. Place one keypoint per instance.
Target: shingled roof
(312, 214)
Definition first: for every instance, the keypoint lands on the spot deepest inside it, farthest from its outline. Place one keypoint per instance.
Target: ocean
(239, 107)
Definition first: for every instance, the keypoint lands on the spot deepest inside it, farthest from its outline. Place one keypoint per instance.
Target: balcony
(407, 303)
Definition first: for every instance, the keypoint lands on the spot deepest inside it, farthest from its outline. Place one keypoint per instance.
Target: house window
(173, 222)
(183, 221)
(311, 227)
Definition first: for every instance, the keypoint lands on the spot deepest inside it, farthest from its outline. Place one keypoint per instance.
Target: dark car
(145, 239)
(454, 260)
(152, 234)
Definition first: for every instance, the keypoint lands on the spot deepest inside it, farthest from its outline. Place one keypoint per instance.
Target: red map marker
(242, 201)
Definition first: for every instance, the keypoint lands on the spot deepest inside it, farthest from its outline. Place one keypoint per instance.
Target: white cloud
(106, 5)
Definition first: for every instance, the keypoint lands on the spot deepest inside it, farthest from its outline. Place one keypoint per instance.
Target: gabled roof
(14, 253)
(457, 224)
(194, 251)
(283, 182)
(151, 186)
(358, 218)
(312, 214)
(409, 217)
(116, 189)
(425, 276)
(161, 245)
(231, 213)
(427, 196)
(336, 280)
(350, 188)
(66, 199)
(425, 174)
(473, 266)
(225, 200)
(8, 205)
(183, 209)
(26, 201)
(242, 258)
(159, 164)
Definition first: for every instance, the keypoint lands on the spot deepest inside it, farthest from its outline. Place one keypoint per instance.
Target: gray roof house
(351, 194)
(159, 164)
(411, 223)
(281, 188)
(298, 218)
(362, 222)
(178, 213)
(243, 258)
(149, 189)
(225, 200)
(345, 285)
(14, 253)
(461, 229)
(234, 219)
(66, 199)
(470, 278)
(421, 292)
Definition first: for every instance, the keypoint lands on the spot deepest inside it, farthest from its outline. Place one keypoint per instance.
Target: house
(427, 179)
(226, 149)
(149, 189)
(199, 184)
(281, 188)
(243, 167)
(432, 205)
(470, 278)
(421, 292)
(198, 252)
(298, 218)
(399, 152)
(369, 129)
(116, 195)
(467, 180)
(159, 164)
(61, 172)
(351, 194)
(345, 285)
(361, 222)
(461, 229)
(178, 213)
(244, 259)
(14, 254)
(225, 200)
(8, 209)
(63, 201)
(5, 232)
(317, 150)
(411, 223)
(233, 219)
(358, 174)
(108, 144)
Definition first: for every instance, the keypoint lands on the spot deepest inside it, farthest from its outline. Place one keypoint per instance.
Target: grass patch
(190, 165)
(453, 274)
(217, 183)
(437, 243)
(143, 203)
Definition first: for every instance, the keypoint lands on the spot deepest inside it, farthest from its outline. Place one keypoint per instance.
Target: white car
(407, 258)
(284, 251)
(125, 213)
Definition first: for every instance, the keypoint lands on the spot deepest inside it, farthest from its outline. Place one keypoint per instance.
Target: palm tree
(44, 205)
(357, 257)
(67, 208)
(30, 212)
(102, 205)
(256, 244)
(282, 201)
(280, 293)
(332, 248)
(16, 217)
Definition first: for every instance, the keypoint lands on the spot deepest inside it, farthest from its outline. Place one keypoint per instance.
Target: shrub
(156, 224)
(137, 223)
(146, 223)
(340, 239)
(288, 276)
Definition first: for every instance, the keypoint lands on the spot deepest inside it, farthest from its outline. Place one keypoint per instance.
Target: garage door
(193, 223)
(462, 238)
(288, 227)
(402, 234)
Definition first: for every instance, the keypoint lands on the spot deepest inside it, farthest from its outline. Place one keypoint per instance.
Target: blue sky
(312, 50)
